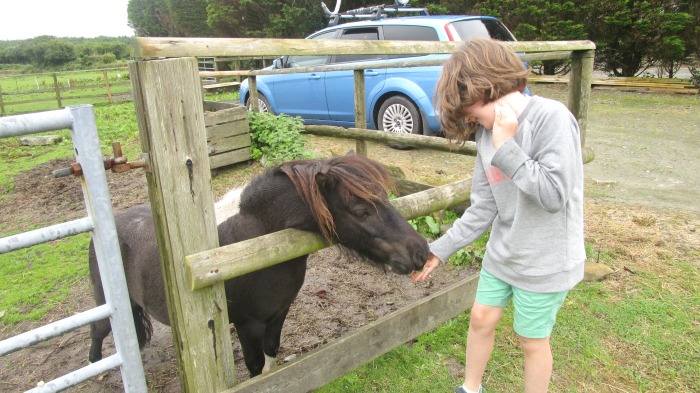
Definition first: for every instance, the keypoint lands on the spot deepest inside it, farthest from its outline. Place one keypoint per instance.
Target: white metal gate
(80, 120)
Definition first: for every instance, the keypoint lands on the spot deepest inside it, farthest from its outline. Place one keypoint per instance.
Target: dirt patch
(646, 147)
(642, 201)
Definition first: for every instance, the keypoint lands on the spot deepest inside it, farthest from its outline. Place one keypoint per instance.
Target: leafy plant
(471, 255)
(276, 139)
(426, 226)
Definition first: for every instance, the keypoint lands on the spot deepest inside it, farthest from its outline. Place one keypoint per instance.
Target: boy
(528, 188)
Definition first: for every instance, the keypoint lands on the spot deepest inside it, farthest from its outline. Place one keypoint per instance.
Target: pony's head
(348, 198)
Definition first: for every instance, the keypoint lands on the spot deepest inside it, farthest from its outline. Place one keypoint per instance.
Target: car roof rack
(373, 13)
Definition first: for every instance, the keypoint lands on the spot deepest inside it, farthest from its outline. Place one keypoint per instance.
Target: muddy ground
(647, 163)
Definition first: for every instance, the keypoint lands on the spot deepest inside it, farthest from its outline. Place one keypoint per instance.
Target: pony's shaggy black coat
(344, 199)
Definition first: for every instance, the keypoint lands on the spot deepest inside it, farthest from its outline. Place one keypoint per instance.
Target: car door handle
(371, 73)
(314, 76)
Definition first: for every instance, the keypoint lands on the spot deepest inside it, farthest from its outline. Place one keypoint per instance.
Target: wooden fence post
(580, 93)
(171, 122)
(253, 94)
(109, 90)
(360, 110)
(57, 88)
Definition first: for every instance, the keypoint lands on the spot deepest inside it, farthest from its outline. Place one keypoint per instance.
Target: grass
(636, 331)
(641, 334)
(38, 278)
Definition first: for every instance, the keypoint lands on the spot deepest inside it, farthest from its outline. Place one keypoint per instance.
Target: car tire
(398, 114)
(263, 104)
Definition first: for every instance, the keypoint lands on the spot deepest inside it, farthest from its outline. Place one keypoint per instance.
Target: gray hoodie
(530, 192)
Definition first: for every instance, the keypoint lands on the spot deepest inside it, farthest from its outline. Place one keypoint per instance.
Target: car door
(303, 94)
(340, 85)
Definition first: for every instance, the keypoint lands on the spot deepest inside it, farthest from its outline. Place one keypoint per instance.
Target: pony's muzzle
(412, 257)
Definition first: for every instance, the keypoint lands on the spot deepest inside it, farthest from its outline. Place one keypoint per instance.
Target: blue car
(397, 99)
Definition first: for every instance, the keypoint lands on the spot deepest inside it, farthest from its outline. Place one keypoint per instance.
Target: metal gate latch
(117, 164)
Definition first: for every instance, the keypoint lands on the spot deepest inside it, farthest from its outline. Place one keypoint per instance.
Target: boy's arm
(549, 175)
(475, 220)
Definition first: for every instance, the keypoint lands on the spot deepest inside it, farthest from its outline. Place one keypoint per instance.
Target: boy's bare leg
(538, 364)
(482, 327)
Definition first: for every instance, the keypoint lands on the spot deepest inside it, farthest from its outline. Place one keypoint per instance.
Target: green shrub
(276, 139)
(694, 75)
(108, 58)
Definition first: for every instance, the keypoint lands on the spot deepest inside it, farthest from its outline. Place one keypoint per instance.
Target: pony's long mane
(352, 176)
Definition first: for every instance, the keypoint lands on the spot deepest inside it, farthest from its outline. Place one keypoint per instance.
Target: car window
(364, 33)
(482, 28)
(409, 33)
(310, 60)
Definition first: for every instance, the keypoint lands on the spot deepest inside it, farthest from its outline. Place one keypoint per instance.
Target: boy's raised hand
(505, 123)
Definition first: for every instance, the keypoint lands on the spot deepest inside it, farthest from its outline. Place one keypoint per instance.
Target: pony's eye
(361, 213)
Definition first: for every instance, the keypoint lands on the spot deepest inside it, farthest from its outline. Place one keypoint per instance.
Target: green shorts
(535, 313)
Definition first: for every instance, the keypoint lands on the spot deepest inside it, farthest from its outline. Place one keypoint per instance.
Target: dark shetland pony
(344, 199)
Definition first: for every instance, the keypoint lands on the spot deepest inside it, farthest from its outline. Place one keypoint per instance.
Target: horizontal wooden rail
(381, 64)
(420, 141)
(150, 47)
(209, 267)
(210, 86)
(53, 99)
(651, 84)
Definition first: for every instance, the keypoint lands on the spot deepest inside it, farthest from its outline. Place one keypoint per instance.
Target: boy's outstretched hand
(429, 266)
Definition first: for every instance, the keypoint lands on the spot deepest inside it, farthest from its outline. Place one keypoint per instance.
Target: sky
(22, 19)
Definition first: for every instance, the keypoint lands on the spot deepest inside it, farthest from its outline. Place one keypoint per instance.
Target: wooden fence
(63, 88)
(173, 135)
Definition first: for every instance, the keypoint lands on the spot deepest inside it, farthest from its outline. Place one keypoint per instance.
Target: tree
(148, 18)
(189, 18)
(120, 50)
(632, 35)
(457, 7)
(541, 20)
(672, 50)
(265, 18)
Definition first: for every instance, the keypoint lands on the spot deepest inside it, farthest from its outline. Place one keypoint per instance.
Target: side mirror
(277, 63)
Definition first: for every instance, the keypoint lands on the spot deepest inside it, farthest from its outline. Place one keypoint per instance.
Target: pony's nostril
(420, 256)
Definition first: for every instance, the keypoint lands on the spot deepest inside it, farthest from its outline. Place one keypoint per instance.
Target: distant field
(37, 92)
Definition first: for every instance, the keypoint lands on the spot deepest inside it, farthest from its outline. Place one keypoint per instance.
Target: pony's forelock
(354, 177)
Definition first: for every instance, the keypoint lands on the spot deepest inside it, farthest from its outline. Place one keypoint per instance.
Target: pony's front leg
(270, 363)
(271, 345)
(251, 334)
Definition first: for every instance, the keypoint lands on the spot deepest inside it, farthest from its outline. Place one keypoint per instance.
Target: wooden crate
(228, 133)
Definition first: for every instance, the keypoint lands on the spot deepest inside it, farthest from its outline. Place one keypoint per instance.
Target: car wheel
(398, 114)
(263, 104)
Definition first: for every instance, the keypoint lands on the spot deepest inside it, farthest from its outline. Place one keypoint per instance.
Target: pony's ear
(324, 181)
(350, 152)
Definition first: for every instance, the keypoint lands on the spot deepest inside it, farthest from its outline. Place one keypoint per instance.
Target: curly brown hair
(480, 70)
